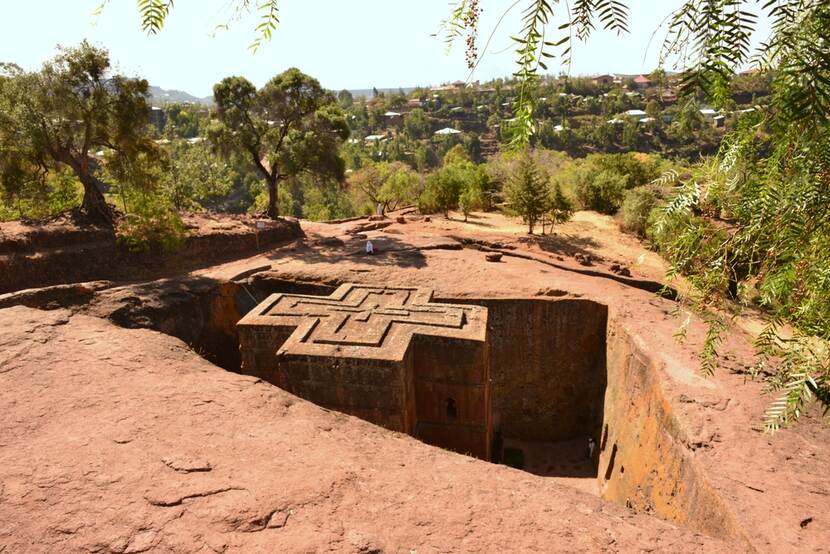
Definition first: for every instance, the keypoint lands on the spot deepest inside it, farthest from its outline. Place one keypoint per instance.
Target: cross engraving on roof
(366, 321)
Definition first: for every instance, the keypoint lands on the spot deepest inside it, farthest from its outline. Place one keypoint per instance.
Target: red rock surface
(116, 440)
(125, 440)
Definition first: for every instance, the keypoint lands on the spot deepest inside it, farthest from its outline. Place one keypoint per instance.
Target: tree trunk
(94, 205)
(273, 209)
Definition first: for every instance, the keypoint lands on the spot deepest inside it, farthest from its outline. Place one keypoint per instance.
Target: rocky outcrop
(37, 256)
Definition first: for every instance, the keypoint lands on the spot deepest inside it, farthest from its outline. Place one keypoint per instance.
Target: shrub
(560, 208)
(636, 207)
(151, 225)
(325, 201)
(602, 191)
(445, 186)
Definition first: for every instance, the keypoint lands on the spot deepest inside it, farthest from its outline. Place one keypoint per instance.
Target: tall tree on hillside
(527, 192)
(289, 126)
(59, 116)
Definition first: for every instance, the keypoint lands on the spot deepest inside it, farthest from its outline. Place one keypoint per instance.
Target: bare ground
(126, 441)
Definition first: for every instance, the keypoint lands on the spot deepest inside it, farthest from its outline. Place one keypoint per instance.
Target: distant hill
(160, 96)
(368, 93)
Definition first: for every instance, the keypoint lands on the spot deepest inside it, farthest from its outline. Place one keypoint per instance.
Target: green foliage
(600, 190)
(599, 181)
(345, 99)
(325, 201)
(417, 124)
(560, 208)
(195, 176)
(285, 200)
(152, 12)
(527, 192)
(637, 206)
(150, 225)
(390, 184)
(62, 193)
(473, 196)
(288, 127)
(267, 22)
(60, 116)
(445, 186)
(756, 228)
(456, 154)
(182, 121)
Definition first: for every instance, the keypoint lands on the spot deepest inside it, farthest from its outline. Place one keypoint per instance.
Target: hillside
(160, 95)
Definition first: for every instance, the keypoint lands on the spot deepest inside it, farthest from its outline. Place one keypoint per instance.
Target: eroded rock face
(644, 462)
(107, 435)
(42, 255)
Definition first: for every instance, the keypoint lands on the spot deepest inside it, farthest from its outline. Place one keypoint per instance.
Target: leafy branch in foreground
(267, 25)
(153, 14)
(752, 227)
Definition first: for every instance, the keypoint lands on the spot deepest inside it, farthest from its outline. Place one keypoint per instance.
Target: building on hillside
(719, 121)
(447, 131)
(668, 96)
(603, 80)
(641, 82)
(635, 113)
(414, 103)
(158, 118)
(708, 113)
(454, 86)
(375, 138)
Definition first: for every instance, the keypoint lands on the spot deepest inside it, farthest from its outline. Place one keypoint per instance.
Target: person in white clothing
(370, 249)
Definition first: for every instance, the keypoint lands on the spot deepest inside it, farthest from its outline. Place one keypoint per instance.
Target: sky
(356, 44)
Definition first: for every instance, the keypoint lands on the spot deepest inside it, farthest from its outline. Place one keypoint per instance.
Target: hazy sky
(344, 43)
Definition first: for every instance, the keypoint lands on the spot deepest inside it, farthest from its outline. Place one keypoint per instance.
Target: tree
(290, 126)
(445, 186)
(387, 184)
(182, 121)
(601, 190)
(527, 192)
(345, 99)
(472, 197)
(401, 187)
(416, 124)
(560, 208)
(195, 175)
(59, 116)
